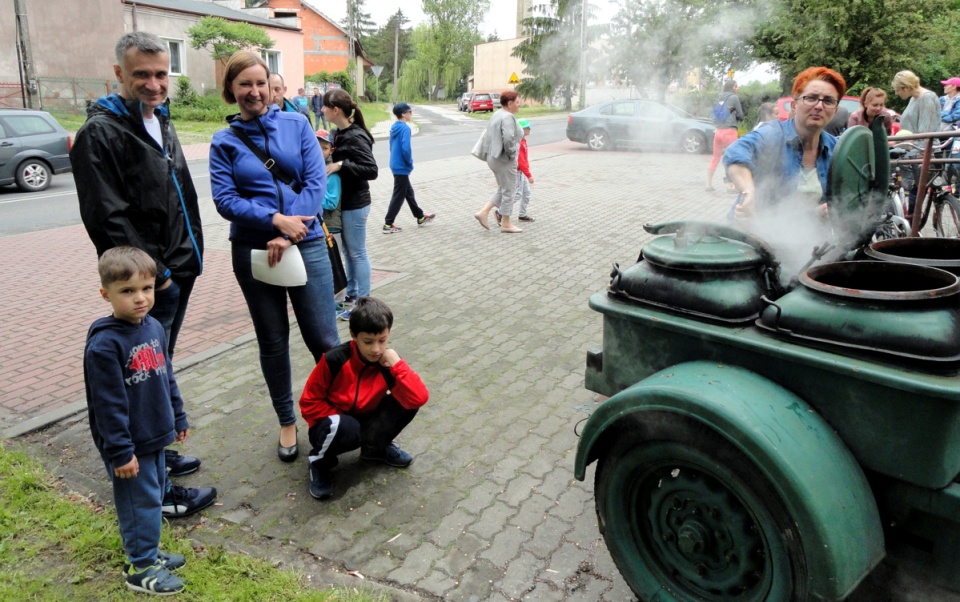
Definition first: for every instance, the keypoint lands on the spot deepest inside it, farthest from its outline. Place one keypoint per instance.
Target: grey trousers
(505, 171)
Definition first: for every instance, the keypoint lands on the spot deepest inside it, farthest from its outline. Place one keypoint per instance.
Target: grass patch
(56, 546)
(197, 125)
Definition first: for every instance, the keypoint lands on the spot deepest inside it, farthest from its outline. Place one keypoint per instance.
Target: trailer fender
(805, 461)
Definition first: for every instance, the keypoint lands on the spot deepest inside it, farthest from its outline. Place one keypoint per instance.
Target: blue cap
(400, 108)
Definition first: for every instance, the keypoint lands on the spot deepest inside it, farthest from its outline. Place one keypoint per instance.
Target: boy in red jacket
(360, 394)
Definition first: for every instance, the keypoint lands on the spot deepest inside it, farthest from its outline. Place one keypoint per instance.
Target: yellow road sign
(513, 79)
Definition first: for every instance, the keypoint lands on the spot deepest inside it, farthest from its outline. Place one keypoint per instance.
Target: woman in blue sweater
(269, 214)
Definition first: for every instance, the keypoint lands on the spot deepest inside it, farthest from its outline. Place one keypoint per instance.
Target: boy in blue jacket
(135, 411)
(401, 164)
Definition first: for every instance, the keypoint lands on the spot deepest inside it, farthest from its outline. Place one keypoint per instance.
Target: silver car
(33, 147)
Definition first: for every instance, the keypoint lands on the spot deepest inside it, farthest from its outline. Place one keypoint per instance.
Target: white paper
(289, 271)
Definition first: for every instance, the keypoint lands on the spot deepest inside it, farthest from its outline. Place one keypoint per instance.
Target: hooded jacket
(353, 146)
(343, 383)
(401, 155)
(135, 192)
(133, 401)
(247, 194)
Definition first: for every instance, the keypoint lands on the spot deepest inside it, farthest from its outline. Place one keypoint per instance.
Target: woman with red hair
(789, 159)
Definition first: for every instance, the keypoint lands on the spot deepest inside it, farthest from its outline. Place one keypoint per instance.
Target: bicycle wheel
(946, 217)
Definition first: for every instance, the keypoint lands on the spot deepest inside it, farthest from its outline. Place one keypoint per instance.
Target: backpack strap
(268, 162)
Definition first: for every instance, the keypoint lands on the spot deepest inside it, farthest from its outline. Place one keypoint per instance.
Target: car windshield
(482, 97)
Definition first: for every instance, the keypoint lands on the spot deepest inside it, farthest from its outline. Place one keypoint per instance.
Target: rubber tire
(598, 140)
(665, 447)
(693, 143)
(946, 218)
(33, 175)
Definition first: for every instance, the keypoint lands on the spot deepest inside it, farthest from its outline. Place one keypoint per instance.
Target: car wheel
(694, 142)
(598, 140)
(688, 516)
(33, 175)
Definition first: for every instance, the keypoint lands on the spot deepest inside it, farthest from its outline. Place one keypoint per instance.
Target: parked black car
(640, 123)
(33, 147)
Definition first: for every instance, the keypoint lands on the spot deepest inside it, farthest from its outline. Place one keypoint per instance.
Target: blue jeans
(139, 509)
(170, 306)
(355, 251)
(313, 306)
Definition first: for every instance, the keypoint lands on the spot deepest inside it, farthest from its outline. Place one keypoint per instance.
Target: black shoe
(183, 501)
(178, 465)
(391, 455)
(496, 214)
(321, 483)
(288, 454)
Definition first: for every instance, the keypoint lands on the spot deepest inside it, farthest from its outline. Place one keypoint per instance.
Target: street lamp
(377, 70)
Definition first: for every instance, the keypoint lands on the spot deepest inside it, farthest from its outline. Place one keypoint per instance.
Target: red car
(480, 102)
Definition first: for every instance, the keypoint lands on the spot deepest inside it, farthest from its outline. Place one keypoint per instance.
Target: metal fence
(70, 94)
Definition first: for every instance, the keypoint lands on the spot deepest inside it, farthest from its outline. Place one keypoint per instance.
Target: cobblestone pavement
(498, 326)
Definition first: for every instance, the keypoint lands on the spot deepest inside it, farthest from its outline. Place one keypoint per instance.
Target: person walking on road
(135, 188)
(303, 104)
(316, 105)
(353, 160)
(727, 114)
(501, 146)
(401, 164)
(279, 215)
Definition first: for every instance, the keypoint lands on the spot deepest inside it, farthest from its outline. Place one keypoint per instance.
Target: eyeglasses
(811, 101)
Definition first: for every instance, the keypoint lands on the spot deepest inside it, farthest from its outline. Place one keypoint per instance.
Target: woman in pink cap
(950, 103)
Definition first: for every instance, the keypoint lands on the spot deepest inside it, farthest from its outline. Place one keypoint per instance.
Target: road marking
(36, 196)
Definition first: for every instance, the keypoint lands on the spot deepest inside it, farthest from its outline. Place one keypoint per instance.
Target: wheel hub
(703, 536)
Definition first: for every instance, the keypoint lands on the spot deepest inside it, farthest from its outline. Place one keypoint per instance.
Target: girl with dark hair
(353, 160)
(267, 213)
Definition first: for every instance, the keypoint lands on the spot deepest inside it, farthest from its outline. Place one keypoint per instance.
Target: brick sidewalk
(51, 297)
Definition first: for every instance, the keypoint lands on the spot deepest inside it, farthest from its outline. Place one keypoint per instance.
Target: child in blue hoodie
(401, 164)
(135, 411)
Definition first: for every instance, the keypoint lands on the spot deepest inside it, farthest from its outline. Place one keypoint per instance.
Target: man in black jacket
(135, 189)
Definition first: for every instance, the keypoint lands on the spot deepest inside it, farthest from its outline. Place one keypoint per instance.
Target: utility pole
(398, 20)
(351, 48)
(583, 55)
(25, 51)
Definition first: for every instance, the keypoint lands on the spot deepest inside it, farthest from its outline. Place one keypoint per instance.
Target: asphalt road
(443, 133)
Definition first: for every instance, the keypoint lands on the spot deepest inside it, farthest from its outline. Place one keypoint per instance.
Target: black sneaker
(171, 562)
(183, 501)
(426, 219)
(178, 465)
(391, 455)
(154, 579)
(321, 483)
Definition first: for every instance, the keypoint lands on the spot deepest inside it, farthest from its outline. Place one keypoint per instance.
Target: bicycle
(941, 189)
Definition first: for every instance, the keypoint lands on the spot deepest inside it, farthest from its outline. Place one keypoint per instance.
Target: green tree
(224, 38)
(552, 51)
(380, 45)
(867, 41)
(446, 49)
(658, 42)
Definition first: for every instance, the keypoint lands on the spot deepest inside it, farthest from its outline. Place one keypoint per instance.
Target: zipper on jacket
(356, 394)
(266, 148)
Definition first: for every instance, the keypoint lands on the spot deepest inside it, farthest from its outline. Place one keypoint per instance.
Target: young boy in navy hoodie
(401, 164)
(135, 411)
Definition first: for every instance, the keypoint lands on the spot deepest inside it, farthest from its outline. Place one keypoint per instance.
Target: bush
(340, 77)
(203, 108)
(184, 94)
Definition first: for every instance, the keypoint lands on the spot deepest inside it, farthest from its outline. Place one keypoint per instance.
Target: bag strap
(268, 162)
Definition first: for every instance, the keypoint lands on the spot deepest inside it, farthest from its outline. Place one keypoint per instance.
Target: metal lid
(697, 250)
(852, 195)
(881, 281)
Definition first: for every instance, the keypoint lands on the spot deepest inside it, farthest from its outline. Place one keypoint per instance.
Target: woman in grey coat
(501, 145)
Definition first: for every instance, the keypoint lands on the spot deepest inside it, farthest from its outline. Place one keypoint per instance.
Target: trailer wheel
(687, 516)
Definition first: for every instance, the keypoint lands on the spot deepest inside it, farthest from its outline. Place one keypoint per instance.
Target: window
(26, 125)
(619, 109)
(176, 56)
(272, 57)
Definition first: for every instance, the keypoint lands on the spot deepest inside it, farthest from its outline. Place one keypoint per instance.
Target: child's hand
(128, 470)
(530, 179)
(182, 435)
(389, 358)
